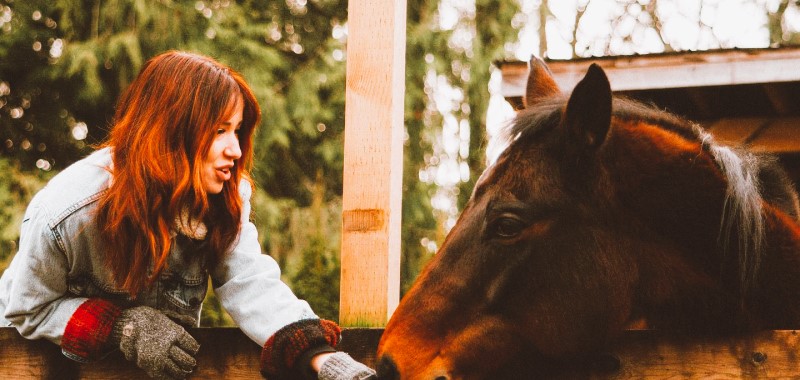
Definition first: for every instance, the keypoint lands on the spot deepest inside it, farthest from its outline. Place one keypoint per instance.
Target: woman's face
(224, 151)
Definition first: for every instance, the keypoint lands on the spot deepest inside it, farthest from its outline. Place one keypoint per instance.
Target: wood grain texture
(662, 355)
(225, 353)
(373, 162)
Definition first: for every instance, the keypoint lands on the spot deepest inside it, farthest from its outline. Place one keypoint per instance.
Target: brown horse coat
(600, 213)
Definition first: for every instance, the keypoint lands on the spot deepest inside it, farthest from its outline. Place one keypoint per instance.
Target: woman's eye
(507, 227)
(220, 131)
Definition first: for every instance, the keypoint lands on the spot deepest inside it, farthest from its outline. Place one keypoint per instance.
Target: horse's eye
(507, 227)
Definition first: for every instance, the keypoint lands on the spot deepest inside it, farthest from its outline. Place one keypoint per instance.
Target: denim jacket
(59, 266)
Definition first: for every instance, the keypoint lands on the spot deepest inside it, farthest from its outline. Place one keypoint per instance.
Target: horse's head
(596, 215)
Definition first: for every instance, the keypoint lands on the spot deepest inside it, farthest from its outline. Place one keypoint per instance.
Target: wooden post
(373, 161)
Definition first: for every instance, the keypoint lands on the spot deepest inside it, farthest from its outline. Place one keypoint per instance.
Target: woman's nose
(233, 149)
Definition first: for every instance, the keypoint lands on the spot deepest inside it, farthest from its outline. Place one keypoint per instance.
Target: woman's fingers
(183, 359)
(187, 343)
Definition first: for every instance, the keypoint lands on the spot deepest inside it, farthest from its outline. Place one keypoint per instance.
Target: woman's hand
(159, 346)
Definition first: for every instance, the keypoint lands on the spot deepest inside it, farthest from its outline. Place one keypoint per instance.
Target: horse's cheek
(552, 339)
(561, 330)
(466, 352)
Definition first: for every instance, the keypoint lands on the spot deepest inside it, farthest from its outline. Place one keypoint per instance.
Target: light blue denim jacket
(59, 265)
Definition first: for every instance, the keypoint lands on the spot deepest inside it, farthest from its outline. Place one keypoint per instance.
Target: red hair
(164, 125)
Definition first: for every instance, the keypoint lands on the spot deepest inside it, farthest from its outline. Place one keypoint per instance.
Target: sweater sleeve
(248, 284)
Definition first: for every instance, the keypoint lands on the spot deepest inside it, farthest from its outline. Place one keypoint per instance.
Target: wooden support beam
(743, 95)
(226, 353)
(764, 135)
(736, 131)
(781, 136)
(373, 161)
(781, 100)
(676, 70)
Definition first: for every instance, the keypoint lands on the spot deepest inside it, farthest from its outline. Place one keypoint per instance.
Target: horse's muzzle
(387, 370)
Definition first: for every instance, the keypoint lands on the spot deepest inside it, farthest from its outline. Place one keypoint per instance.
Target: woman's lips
(224, 174)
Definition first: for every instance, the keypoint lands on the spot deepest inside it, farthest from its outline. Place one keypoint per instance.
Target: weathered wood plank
(228, 354)
(225, 353)
(25, 359)
(660, 355)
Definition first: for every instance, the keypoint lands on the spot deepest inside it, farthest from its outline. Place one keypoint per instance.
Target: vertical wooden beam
(373, 161)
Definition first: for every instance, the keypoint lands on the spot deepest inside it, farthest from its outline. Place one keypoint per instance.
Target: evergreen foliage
(492, 19)
(442, 52)
(317, 279)
(16, 190)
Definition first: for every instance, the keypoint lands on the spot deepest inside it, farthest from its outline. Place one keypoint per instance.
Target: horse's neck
(775, 297)
(708, 298)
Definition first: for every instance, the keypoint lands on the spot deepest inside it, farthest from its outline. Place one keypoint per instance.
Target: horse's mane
(741, 229)
(742, 208)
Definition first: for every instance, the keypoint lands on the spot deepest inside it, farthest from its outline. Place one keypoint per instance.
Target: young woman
(117, 249)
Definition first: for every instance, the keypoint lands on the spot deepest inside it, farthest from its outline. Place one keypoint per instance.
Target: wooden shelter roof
(747, 96)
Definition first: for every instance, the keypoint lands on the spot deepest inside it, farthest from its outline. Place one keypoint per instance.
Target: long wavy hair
(165, 123)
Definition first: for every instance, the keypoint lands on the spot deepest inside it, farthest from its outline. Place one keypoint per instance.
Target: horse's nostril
(386, 369)
(441, 378)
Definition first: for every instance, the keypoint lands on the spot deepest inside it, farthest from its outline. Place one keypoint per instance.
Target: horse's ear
(588, 113)
(540, 83)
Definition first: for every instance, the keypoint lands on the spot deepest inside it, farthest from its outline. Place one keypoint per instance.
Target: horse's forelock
(529, 122)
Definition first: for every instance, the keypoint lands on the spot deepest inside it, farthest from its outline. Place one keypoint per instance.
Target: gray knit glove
(341, 366)
(159, 346)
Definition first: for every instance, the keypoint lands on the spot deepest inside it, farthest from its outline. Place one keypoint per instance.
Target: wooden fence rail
(225, 353)
(228, 354)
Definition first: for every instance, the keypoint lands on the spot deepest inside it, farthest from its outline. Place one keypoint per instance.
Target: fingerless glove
(340, 366)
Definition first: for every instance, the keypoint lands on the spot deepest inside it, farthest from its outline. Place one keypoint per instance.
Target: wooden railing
(225, 353)
(228, 354)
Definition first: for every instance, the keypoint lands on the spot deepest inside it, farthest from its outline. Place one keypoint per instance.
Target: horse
(601, 214)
